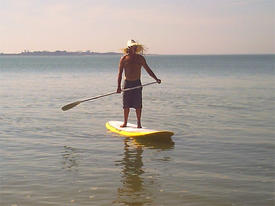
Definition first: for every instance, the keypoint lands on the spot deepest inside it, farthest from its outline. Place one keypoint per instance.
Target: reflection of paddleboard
(132, 131)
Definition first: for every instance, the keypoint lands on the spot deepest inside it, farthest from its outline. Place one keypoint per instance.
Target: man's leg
(138, 113)
(126, 114)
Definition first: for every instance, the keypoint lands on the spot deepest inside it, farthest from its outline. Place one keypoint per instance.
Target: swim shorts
(132, 98)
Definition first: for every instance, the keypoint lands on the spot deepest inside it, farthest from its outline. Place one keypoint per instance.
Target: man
(131, 63)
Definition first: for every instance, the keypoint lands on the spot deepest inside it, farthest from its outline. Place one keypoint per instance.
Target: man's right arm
(119, 76)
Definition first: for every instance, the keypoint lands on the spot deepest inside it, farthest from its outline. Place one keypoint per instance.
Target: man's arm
(119, 76)
(149, 71)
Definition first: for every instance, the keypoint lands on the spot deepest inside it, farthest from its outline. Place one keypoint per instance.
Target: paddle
(72, 105)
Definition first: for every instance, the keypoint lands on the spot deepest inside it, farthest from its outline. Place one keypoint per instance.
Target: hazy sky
(163, 26)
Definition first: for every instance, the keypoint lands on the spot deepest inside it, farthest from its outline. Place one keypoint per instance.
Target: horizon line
(89, 52)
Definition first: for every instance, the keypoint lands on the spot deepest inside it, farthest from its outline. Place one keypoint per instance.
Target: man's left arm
(149, 70)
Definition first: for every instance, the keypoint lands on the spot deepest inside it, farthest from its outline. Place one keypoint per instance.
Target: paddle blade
(70, 106)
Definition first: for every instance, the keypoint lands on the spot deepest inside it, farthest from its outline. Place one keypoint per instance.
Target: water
(221, 109)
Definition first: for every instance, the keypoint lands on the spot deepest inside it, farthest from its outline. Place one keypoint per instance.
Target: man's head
(133, 47)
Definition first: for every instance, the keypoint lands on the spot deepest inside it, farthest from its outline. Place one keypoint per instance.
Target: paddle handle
(111, 93)
(137, 87)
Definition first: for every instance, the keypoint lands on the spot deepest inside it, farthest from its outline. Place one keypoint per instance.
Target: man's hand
(118, 90)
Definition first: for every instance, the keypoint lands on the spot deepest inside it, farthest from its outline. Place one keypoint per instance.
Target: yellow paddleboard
(132, 131)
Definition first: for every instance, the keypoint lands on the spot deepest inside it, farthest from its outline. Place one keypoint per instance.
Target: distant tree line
(58, 53)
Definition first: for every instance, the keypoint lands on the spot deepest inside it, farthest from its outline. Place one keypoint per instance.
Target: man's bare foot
(123, 125)
(139, 126)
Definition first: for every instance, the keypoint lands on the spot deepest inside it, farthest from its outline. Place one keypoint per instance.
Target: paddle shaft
(71, 105)
(111, 93)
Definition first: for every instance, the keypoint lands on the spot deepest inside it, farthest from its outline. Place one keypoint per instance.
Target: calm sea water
(221, 109)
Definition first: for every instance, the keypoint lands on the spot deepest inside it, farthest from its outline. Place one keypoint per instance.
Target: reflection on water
(136, 190)
(70, 158)
(163, 145)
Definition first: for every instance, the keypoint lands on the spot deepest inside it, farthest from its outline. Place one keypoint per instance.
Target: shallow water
(221, 109)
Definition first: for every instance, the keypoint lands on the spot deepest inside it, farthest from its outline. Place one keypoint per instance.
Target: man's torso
(132, 67)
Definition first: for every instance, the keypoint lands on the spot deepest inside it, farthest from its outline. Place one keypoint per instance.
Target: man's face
(133, 48)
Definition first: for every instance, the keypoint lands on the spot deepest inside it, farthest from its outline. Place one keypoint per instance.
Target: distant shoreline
(89, 53)
(58, 53)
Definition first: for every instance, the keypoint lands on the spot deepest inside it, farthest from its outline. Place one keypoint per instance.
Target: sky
(163, 26)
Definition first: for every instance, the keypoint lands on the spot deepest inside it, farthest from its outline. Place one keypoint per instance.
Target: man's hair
(140, 49)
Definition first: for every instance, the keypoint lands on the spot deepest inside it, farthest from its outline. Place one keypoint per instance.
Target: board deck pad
(132, 131)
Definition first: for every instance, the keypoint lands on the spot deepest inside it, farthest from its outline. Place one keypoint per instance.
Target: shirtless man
(131, 63)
